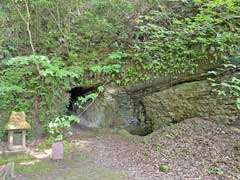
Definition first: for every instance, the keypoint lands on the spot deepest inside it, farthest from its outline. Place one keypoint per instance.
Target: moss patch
(81, 156)
(92, 173)
(15, 157)
(37, 167)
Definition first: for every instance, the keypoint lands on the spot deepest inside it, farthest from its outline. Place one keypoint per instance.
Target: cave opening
(139, 124)
(75, 93)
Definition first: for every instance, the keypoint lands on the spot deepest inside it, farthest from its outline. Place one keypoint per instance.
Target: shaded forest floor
(194, 149)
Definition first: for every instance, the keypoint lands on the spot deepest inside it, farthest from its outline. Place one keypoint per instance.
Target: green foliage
(58, 126)
(84, 32)
(216, 171)
(83, 100)
(169, 44)
(157, 148)
(46, 144)
(229, 87)
(36, 85)
(127, 41)
(163, 168)
(67, 147)
(86, 42)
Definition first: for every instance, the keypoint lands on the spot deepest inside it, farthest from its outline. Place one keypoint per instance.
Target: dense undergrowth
(47, 47)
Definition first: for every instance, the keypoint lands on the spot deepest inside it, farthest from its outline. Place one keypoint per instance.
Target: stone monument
(57, 150)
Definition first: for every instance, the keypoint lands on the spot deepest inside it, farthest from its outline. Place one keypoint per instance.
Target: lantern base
(16, 140)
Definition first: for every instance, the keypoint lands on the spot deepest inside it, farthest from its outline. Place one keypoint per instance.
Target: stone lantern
(16, 128)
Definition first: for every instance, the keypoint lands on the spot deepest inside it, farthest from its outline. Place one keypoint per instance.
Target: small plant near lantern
(61, 125)
(57, 129)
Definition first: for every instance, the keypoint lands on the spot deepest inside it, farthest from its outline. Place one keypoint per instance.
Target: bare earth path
(195, 149)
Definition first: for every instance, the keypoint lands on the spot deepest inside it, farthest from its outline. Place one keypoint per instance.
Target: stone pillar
(24, 139)
(10, 140)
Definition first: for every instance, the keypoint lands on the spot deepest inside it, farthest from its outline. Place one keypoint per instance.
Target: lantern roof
(17, 121)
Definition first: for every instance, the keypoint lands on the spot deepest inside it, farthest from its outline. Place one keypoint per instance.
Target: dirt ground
(194, 149)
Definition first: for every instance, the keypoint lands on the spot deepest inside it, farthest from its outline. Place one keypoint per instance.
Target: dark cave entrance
(75, 93)
(140, 124)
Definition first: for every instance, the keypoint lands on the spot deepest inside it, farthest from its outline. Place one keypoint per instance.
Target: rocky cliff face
(112, 109)
(189, 100)
(160, 104)
(116, 108)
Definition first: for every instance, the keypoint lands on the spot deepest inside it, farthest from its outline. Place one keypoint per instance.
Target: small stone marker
(57, 151)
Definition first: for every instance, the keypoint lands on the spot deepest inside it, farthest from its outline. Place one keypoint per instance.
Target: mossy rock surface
(188, 100)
